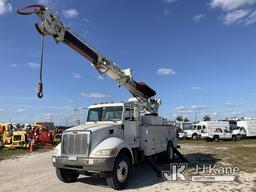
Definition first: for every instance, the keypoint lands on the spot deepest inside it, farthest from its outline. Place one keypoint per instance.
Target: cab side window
(129, 114)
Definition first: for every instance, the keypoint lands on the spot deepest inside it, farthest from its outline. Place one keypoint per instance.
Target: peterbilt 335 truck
(116, 136)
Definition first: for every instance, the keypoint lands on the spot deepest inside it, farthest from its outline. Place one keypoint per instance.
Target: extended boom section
(51, 25)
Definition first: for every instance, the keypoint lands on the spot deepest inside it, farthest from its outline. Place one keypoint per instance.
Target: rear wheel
(238, 137)
(121, 173)
(67, 176)
(216, 138)
(195, 137)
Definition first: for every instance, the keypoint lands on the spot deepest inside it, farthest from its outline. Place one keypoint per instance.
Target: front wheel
(238, 137)
(67, 176)
(195, 137)
(216, 138)
(121, 172)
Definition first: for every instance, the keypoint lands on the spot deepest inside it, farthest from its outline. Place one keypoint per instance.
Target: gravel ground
(35, 173)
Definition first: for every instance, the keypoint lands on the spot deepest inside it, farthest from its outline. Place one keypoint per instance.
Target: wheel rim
(122, 171)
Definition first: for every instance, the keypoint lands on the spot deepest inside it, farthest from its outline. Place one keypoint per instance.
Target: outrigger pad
(145, 89)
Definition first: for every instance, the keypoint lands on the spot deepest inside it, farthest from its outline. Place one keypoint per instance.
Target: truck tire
(120, 175)
(238, 137)
(195, 137)
(216, 138)
(67, 176)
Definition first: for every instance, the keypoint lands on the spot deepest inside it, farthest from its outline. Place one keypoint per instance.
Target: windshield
(105, 114)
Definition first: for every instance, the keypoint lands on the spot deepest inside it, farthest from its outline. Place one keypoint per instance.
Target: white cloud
(5, 7)
(33, 65)
(191, 109)
(236, 16)
(14, 65)
(236, 113)
(251, 19)
(169, 1)
(86, 20)
(76, 76)
(198, 18)
(196, 88)
(183, 109)
(49, 3)
(20, 110)
(70, 13)
(95, 95)
(229, 104)
(228, 5)
(44, 2)
(180, 108)
(165, 71)
(199, 107)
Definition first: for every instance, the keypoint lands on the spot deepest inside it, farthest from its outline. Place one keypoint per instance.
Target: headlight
(57, 150)
(53, 159)
(106, 152)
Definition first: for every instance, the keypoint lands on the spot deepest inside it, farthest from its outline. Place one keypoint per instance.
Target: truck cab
(114, 138)
(195, 132)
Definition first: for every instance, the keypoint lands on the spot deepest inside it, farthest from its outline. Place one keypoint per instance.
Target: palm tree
(179, 118)
(206, 118)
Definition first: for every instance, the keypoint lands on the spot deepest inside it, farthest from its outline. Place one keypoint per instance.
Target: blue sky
(198, 55)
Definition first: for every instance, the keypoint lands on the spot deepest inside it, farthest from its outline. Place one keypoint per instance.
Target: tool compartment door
(154, 138)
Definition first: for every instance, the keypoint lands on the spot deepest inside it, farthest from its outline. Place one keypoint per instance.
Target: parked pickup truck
(239, 133)
(220, 134)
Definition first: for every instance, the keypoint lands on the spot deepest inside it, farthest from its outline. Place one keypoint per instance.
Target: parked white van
(249, 127)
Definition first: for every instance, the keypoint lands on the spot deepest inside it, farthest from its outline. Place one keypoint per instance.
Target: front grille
(75, 144)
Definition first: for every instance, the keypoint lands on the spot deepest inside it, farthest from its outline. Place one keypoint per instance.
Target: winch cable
(40, 83)
(36, 9)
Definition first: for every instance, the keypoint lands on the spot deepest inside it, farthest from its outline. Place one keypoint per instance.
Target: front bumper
(85, 164)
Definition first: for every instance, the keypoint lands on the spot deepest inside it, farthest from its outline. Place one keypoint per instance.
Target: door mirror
(136, 113)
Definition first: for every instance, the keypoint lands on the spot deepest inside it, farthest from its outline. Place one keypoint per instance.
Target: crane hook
(40, 83)
(40, 89)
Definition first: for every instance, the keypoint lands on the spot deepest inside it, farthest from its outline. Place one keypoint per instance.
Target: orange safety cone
(30, 148)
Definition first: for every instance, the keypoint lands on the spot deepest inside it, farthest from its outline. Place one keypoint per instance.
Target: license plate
(72, 158)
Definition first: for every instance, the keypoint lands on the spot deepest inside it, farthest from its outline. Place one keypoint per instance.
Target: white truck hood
(91, 127)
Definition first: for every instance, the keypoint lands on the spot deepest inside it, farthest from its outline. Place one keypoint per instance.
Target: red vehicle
(42, 135)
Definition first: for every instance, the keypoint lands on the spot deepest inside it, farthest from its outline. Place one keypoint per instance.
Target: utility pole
(195, 117)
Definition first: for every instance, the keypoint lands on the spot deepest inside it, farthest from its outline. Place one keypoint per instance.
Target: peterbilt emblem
(74, 132)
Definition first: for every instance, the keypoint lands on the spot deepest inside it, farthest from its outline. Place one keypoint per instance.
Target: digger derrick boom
(51, 25)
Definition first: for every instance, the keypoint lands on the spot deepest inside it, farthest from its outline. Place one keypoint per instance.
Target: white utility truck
(181, 127)
(249, 126)
(203, 128)
(116, 136)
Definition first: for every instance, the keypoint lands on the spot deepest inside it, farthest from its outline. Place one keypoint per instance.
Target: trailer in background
(249, 126)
